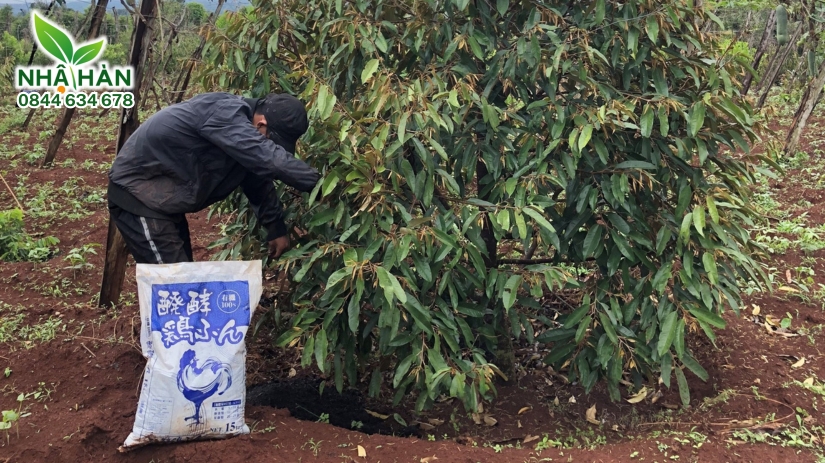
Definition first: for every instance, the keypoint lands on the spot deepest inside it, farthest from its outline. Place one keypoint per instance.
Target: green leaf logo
(60, 46)
(52, 40)
(88, 52)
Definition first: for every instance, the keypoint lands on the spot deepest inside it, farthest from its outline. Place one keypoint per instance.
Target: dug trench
(307, 399)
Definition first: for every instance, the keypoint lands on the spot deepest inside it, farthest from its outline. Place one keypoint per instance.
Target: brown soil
(89, 374)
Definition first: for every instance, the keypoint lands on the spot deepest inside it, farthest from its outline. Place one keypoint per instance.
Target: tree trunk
(25, 125)
(114, 269)
(776, 66)
(57, 138)
(806, 107)
(180, 88)
(505, 352)
(117, 25)
(34, 42)
(760, 52)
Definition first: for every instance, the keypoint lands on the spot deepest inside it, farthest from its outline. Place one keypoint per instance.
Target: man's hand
(278, 246)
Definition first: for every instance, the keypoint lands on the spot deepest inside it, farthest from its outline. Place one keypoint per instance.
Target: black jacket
(194, 154)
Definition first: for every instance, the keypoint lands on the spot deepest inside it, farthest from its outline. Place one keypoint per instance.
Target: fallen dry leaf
(556, 401)
(435, 421)
(572, 399)
(292, 373)
(524, 410)
(518, 422)
(529, 439)
(480, 407)
(809, 381)
(590, 415)
(426, 426)
(490, 421)
(476, 418)
(799, 363)
(640, 396)
(428, 459)
(788, 289)
(377, 415)
(788, 276)
(362, 452)
(756, 309)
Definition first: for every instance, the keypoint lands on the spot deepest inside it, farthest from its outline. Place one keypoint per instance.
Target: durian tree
(481, 158)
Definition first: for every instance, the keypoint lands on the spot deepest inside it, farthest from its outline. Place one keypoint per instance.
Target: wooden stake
(114, 269)
(57, 138)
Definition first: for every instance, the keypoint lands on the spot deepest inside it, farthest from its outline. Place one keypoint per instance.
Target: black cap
(286, 119)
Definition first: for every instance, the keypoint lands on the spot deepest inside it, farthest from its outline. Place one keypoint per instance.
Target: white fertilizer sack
(194, 318)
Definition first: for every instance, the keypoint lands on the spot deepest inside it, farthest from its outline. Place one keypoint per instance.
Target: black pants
(151, 240)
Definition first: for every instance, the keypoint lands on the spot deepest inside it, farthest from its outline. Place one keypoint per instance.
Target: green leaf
(707, 317)
(699, 219)
(703, 150)
(662, 239)
(709, 262)
(536, 215)
(582, 329)
(421, 315)
(520, 224)
(667, 333)
(369, 70)
(88, 52)
(608, 328)
(660, 82)
(239, 60)
(402, 369)
(646, 122)
(353, 313)
(584, 138)
(592, 241)
(667, 365)
(635, 165)
(618, 222)
(679, 340)
(652, 28)
(321, 350)
(579, 313)
(329, 183)
(52, 40)
(714, 213)
(664, 123)
(337, 276)
(684, 231)
(684, 392)
(390, 285)
(694, 366)
(510, 291)
(696, 118)
(502, 6)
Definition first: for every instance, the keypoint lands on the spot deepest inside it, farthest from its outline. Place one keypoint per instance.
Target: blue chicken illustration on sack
(194, 321)
(199, 384)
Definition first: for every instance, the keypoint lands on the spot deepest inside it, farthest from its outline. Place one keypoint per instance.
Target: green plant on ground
(588, 135)
(16, 245)
(78, 257)
(11, 417)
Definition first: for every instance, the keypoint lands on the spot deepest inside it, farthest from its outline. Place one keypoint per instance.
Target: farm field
(71, 370)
